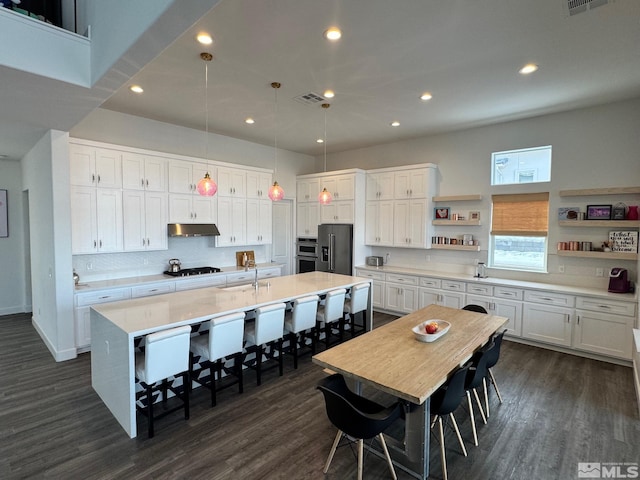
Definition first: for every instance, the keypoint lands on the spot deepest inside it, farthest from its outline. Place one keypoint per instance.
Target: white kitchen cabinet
(82, 312)
(189, 208)
(341, 211)
(269, 272)
(241, 278)
(232, 182)
(604, 326)
(377, 298)
(232, 216)
(200, 281)
(412, 183)
(96, 220)
(144, 220)
(258, 184)
(259, 223)
(308, 189)
(342, 187)
(410, 223)
(401, 293)
(144, 172)
(512, 310)
(97, 167)
(184, 176)
(547, 323)
(150, 289)
(379, 223)
(380, 186)
(308, 215)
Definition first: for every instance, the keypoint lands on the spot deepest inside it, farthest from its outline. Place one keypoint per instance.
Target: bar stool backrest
(269, 323)
(334, 305)
(226, 335)
(359, 298)
(166, 354)
(304, 312)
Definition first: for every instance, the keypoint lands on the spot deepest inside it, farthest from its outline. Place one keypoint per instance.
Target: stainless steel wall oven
(306, 254)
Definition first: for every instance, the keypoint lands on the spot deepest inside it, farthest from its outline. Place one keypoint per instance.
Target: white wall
(12, 281)
(45, 175)
(593, 147)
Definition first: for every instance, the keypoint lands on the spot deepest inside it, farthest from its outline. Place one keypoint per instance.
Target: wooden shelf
(599, 191)
(468, 248)
(458, 198)
(600, 223)
(608, 255)
(467, 223)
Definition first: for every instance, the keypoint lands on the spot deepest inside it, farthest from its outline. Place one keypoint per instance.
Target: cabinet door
(372, 223)
(417, 226)
(451, 299)
(133, 221)
(603, 333)
(181, 177)
(401, 298)
(342, 187)
(232, 182)
(155, 206)
(547, 323)
(380, 186)
(155, 174)
(258, 185)
(428, 297)
(180, 208)
(401, 224)
(337, 212)
(108, 168)
(232, 221)
(133, 177)
(265, 222)
(83, 220)
(411, 184)
(258, 222)
(82, 318)
(308, 189)
(308, 218)
(203, 209)
(511, 310)
(82, 164)
(109, 219)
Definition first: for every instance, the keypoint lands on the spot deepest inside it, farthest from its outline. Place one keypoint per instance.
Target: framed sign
(4, 214)
(441, 213)
(624, 241)
(598, 212)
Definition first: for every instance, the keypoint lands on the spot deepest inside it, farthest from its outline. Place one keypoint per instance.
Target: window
(527, 165)
(519, 225)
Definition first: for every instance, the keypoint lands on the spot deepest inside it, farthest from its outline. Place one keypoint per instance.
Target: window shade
(522, 215)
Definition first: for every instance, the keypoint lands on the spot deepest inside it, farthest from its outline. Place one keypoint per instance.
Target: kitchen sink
(245, 287)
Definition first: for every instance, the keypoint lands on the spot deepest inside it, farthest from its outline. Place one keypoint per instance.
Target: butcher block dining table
(389, 358)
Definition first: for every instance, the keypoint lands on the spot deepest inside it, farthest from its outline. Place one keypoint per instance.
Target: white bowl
(421, 334)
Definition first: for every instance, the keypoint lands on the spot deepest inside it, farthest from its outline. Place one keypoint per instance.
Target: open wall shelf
(607, 255)
(468, 248)
(599, 191)
(600, 223)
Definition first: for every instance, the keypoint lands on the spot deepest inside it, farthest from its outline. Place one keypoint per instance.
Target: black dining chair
(444, 402)
(356, 417)
(475, 379)
(475, 308)
(493, 355)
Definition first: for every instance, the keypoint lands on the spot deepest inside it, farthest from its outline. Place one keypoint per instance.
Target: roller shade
(522, 215)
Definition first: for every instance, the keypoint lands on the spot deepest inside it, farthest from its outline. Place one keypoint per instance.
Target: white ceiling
(466, 53)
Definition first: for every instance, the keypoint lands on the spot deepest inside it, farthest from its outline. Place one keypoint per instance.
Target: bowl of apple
(430, 330)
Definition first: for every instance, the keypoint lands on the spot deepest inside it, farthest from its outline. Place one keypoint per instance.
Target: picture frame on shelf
(598, 212)
(568, 213)
(474, 215)
(619, 211)
(441, 213)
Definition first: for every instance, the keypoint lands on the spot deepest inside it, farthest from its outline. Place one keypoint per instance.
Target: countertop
(549, 287)
(83, 287)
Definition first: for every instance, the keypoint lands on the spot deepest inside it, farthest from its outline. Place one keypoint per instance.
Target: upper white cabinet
(380, 186)
(258, 184)
(188, 208)
(410, 224)
(308, 215)
(342, 187)
(232, 182)
(96, 220)
(184, 176)
(337, 212)
(144, 220)
(259, 223)
(142, 172)
(379, 219)
(412, 183)
(232, 221)
(95, 167)
(307, 189)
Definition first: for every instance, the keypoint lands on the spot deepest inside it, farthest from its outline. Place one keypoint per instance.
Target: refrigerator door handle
(332, 246)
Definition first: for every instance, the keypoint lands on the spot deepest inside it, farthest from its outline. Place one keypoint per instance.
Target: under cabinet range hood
(192, 230)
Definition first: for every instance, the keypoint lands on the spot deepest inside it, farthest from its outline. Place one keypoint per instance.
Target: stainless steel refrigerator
(335, 245)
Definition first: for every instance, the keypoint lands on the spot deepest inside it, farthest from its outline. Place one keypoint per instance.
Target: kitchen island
(115, 326)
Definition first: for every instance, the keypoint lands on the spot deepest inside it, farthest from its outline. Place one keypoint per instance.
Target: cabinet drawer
(241, 278)
(606, 306)
(368, 274)
(202, 281)
(477, 289)
(452, 285)
(268, 273)
(549, 298)
(152, 289)
(431, 282)
(402, 279)
(103, 296)
(507, 292)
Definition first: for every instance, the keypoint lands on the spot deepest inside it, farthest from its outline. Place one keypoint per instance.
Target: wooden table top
(390, 359)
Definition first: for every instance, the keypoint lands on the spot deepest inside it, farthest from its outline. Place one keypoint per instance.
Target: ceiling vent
(579, 6)
(309, 98)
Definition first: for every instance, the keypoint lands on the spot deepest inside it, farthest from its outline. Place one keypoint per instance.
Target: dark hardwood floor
(559, 410)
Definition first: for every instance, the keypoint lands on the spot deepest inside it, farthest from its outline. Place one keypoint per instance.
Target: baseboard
(58, 355)
(14, 310)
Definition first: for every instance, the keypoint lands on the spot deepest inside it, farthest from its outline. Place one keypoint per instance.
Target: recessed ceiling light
(136, 89)
(320, 140)
(528, 68)
(250, 121)
(329, 94)
(395, 123)
(332, 34)
(426, 96)
(204, 38)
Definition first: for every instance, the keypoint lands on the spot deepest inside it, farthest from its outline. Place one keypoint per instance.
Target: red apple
(431, 327)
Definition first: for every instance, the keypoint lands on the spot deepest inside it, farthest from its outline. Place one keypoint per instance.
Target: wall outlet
(89, 266)
(560, 268)
(599, 272)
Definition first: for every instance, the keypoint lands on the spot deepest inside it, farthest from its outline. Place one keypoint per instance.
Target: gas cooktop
(186, 272)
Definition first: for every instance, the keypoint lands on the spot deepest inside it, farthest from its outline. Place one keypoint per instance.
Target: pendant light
(276, 192)
(206, 186)
(325, 195)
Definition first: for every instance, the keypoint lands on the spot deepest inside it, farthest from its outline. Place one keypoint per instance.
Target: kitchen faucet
(255, 284)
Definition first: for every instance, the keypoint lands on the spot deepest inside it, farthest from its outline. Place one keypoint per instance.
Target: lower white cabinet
(377, 298)
(269, 272)
(200, 281)
(401, 293)
(149, 289)
(82, 312)
(547, 323)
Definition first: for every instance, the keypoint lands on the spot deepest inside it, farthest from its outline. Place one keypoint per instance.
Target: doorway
(282, 246)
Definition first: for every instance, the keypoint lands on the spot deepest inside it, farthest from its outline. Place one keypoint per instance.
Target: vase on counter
(632, 213)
